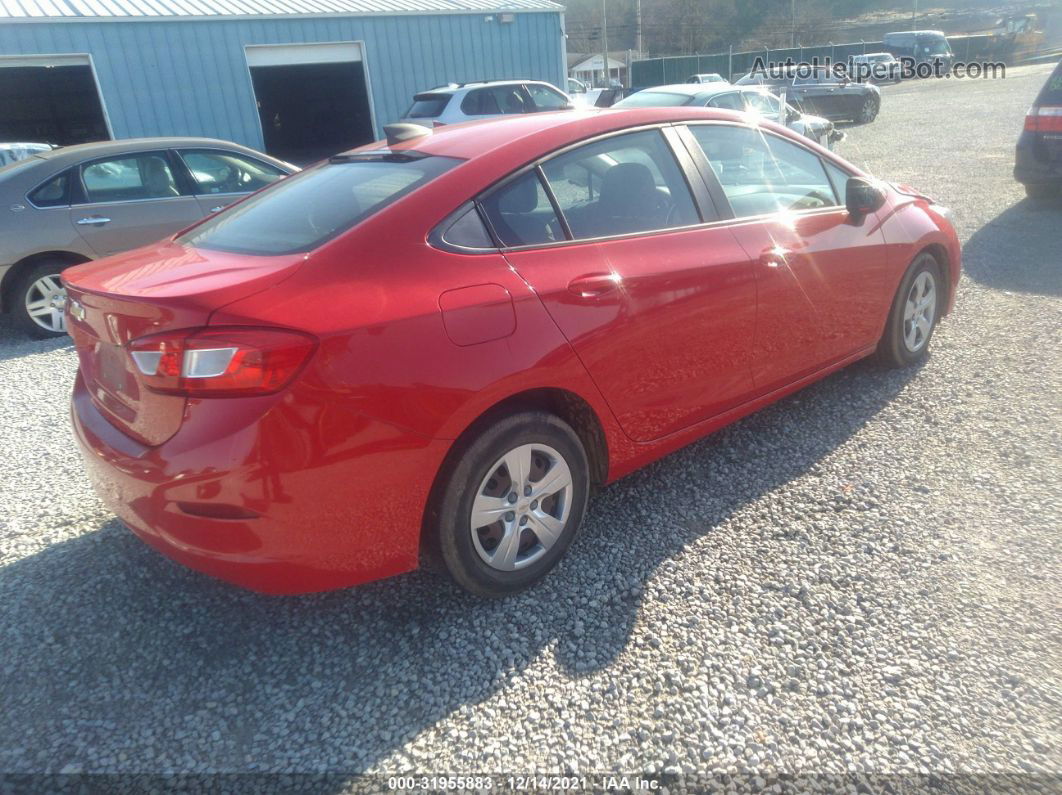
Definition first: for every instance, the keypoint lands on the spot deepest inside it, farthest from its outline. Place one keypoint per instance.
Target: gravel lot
(865, 577)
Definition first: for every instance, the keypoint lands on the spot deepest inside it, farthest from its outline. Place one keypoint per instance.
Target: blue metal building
(252, 70)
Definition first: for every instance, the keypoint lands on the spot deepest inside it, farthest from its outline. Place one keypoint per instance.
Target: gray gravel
(865, 577)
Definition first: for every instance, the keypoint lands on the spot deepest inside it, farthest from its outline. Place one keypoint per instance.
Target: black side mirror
(861, 198)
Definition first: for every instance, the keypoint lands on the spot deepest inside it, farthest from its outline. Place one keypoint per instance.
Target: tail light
(221, 362)
(1044, 118)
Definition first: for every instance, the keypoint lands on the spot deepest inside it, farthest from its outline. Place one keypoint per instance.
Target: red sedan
(443, 343)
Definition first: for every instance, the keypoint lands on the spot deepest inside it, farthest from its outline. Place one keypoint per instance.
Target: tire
(1041, 192)
(32, 289)
(869, 111)
(480, 559)
(906, 341)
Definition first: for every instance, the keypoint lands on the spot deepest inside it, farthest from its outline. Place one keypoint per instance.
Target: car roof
(694, 89)
(453, 88)
(68, 155)
(533, 134)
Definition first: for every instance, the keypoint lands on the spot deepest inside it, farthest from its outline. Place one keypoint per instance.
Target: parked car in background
(1038, 157)
(576, 87)
(708, 77)
(749, 99)
(457, 102)
(824, 94)
(442, 344)
(880, 68)
(78, 203)
(922, 46)
(11, 152)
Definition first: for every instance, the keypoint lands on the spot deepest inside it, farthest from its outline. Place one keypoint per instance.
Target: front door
(130, 200)
(819, 275)
(659, 308)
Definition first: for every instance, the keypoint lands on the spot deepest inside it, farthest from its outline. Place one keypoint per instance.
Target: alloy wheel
(919, 312)
(521, 507)
(46, 302)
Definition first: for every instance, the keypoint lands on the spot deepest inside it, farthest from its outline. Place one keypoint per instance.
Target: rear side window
(314, 206)
(53, 193)
(130, 178)
(427, 106)
(620, 185)
(1052, 92)
(522, 214)
(496, 100)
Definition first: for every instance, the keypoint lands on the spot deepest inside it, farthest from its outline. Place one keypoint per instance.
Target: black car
(823, 94)
(1038, 164)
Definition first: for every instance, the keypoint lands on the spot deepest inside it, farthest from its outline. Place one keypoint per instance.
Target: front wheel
(914, 314)
(40, 301)
(869, 111)
(512, 504)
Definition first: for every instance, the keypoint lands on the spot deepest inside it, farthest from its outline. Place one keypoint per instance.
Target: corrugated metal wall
(191, 78)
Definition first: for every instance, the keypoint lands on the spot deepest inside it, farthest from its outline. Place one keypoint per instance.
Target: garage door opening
(313, 99)
(51, 100)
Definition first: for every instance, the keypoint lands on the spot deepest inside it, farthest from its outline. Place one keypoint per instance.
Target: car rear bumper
(1032, 166)
(254, 504)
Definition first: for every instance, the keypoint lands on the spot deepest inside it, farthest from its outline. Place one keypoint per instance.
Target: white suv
(458, 102)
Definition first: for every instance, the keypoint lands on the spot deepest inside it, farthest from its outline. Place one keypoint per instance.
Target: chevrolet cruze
(441, 343)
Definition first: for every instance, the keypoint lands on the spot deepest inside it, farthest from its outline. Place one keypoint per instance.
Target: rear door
(659, 306)
(129, 200)
(820, 277)
(219, 177)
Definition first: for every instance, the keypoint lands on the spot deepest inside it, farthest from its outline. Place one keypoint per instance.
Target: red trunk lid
(165, 287)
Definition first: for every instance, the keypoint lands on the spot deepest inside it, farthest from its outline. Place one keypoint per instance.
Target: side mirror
(569, 106)
(861, 198)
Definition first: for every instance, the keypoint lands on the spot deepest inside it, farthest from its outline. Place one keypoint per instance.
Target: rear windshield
(427, 106)
(655, 99)
(305, 210)
(1052, 91)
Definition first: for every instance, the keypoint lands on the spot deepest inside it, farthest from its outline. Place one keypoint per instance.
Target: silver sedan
(82, 202)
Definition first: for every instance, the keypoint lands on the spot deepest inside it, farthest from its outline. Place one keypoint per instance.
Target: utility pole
(638, 44)
(604, 41)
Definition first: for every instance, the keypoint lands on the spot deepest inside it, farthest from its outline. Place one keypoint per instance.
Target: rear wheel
(1038, 192)
(512, 504)
(914, 314)
(39, 300)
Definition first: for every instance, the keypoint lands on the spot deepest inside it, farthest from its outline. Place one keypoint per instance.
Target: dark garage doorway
(312, 110)
(51, 104)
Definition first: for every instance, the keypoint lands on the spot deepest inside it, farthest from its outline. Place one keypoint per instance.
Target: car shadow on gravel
(1016, 251)
(116, 659)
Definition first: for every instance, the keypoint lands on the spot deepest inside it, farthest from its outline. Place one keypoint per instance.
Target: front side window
(521, 213)
(302, 212)
(763, 104)
(546, 98)
(53, 193)
(762, 173)
(620, 185)
(731, 101)
(227, 172)
(129, 178)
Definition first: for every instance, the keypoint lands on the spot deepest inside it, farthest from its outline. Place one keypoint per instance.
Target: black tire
(869, 111)
(450, 530)
(893, 349)
(21, 293)
(1041, 192)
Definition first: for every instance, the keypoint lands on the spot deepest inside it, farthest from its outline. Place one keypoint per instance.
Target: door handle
(93, 220)
(219, 208)
(774, 257)
(591, 285)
